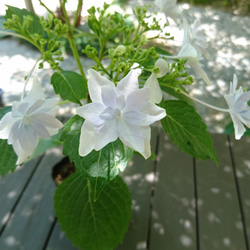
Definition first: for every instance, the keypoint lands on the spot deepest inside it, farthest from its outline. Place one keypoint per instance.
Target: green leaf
(186, 129)
(8, 158)
(69, 85)
(71, 135)
(4, 110)
(101, 166)
(99, 225)
(34, 28)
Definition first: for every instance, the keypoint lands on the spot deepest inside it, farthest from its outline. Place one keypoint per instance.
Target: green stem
(18, 35)
(72, 41)
(28, 77)
(79, 7)
(51, 12)
(205, 104)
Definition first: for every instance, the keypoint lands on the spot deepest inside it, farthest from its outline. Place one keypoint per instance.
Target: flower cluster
(123, 111)
(31, 118)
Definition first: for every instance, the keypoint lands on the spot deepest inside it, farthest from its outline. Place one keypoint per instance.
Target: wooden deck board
(220, 225)
(173, 218)
(177, 182)
(58, 240)
(12, 186)
(241, 158)
(33, 216)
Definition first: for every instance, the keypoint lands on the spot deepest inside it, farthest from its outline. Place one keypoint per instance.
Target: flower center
(26, 120)
(117, 112)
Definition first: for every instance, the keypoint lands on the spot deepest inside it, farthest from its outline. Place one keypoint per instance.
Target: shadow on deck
(178, 202)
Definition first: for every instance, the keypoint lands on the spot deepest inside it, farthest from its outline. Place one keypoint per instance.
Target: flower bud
(120, 50)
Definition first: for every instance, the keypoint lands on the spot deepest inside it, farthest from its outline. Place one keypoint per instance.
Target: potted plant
(131, 86)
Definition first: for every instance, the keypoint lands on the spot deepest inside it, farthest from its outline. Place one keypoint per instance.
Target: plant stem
(77, 13)
(71, 40)
(205, 104)
(28, 77)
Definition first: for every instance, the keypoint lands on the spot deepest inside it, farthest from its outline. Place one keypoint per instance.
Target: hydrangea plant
(131, 86)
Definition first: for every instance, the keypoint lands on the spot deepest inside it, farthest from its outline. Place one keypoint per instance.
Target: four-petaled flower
(31, 118)
(239, 109)
(123, 111)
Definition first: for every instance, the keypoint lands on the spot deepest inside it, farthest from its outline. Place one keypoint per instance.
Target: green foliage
(121, 41)
(8, 158)
(100, 167)
(69, 85)
(186, 129)
(4, 110)
(23, 22)
(41, 33)
(89, 224)
(2, 21)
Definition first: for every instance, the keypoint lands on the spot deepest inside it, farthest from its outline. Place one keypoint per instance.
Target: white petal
(5, 125)
(91, 112)
(163, 67)
(108, 133)
(155, 90)
(19, 109)
(137, 99)
(195, 65)
(186, 36)
(35, 93)
(187, 51)
(109, 97)
(146, 153)
(95, 83)
(134, 117)
(22, 155)
(233, 84)
(87, 138)
(129, 83)
(48, 106)
(107, 115)
(230, 101)
(28, 138)
(47, 120)
(153, 114)
(131, 135)
(239, 129)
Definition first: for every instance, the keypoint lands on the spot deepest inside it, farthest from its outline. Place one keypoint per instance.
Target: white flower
(169, 7)
(195, 36)
(239, 109)
(152, 82)
(123, 111)
(31, 118)
(189, 52)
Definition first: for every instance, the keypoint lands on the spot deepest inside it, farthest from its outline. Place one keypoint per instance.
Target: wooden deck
(178, 202)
